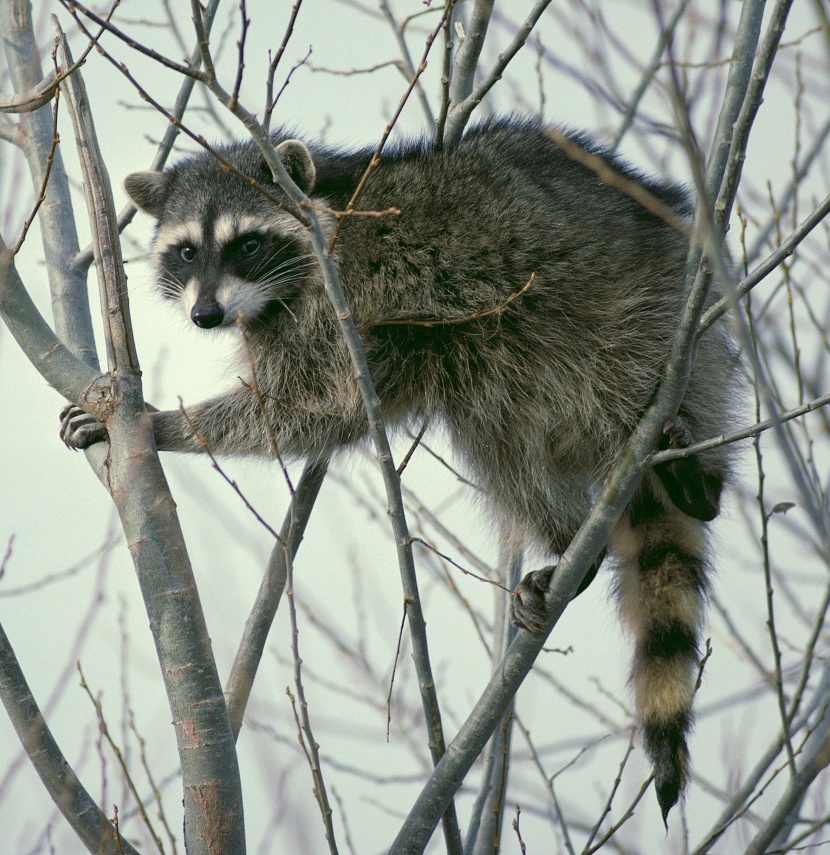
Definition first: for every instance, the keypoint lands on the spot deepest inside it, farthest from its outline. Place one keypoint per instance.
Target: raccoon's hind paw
(529, 610)
(79, 429)
(692, 489)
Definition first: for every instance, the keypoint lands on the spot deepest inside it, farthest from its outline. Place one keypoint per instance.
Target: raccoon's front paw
(528, 610)
(79, 429)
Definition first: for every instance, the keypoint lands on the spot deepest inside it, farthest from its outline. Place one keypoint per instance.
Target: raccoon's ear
(296, 158)
(148, 190)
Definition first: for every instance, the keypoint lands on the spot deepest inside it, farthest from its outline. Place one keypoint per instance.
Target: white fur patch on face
(230, 226)
(168, 236)
(239, 297)
(189, 296)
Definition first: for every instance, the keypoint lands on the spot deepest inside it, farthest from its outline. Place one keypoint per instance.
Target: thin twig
(394, 670)
(103, 729)
(240, 69)
(231, 483)
(769, 264)
(408, 68)
(437, 322)
(408, 456)
(614, 787)
(142, 753)
(253, 385)
(270, 101)
(744, 433)
(589, 850)
(375, 161)
(666, 35)
(50, 158)
(87, 820)
(459, 567)
(310, 745)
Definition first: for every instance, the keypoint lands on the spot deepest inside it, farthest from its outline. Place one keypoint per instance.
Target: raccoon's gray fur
(539, 393)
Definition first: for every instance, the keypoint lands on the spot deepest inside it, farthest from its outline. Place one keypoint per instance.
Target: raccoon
(516, 299)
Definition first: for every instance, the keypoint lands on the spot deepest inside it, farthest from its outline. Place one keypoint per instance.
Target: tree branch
(79, 808)
(463, 99)
(70, 304)
(74, 379)
(135, 480)
(83, 259)
(613, 499)
(766, 267)
(377, 431)
(252, 645)
(744, 433)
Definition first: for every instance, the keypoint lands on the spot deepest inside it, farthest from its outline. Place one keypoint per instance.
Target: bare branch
(653, 67)
(104, 732)
(75, 803)
(83, 259)
(409, 68)
(744, 433)
(463, 98)
(375, 161)
(766, 267)
(137, 484)
(270, 100)
(815, 758)
(70, 304)
(61, 369)
(306, 735)
(252, 645)
(34, 99)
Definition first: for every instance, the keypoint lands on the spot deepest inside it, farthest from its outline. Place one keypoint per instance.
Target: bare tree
(729, 100)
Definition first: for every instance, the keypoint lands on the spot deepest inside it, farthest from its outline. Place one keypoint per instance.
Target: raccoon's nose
(207, 315)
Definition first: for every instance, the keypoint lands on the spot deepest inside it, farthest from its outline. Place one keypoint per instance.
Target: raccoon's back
(587, 338)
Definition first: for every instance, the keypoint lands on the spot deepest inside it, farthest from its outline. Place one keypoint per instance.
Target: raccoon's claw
(528, 610)
(529, 603)
(79, 429)
(692, 489)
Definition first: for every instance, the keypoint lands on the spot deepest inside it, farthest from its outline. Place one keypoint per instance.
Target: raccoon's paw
(79, 429)
(529, 610)
(529, 603)
(692, 489)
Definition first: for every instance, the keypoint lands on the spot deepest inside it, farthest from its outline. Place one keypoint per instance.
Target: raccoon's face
(234, 267)
(222, 250)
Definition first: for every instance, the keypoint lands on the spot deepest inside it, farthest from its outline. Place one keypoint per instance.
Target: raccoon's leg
(232, 424)
(80, 430)
(528, 610)
(661, 589)
(693, 490)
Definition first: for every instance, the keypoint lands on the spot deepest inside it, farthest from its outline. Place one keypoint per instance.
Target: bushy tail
(662, 591)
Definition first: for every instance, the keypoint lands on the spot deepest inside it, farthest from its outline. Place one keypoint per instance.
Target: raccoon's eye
(188, 253)
(250, 246)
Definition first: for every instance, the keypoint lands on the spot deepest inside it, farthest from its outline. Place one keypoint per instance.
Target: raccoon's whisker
(170, 285)
(289, 264)
(287, 308)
